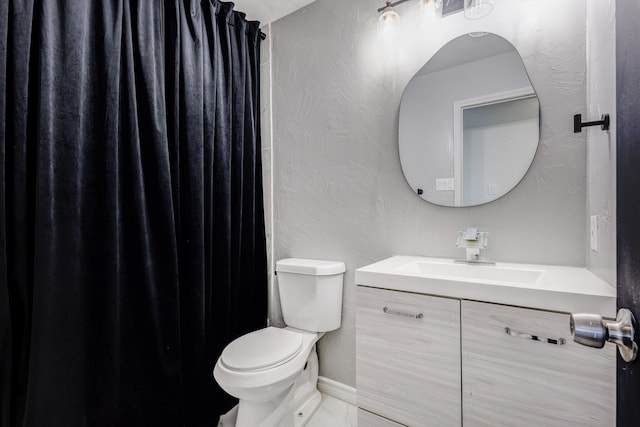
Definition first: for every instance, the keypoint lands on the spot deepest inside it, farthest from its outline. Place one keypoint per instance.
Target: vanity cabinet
(408, 358)
(367, 419)
(475, 364)
(520, 367)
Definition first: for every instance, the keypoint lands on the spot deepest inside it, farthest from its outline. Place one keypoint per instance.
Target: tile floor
(335, 413)
(332, 412)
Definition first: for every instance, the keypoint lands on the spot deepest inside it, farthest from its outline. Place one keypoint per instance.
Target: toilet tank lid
(313, 267)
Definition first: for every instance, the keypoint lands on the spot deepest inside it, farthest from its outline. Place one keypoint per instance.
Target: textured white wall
(339, 191)
(266, 119)
(601, 159)
(267, 11)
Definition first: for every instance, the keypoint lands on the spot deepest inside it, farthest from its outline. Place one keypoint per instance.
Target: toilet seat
(278, 369)
(262, 349)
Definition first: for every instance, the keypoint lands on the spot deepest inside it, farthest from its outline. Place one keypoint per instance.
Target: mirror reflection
(469, 123)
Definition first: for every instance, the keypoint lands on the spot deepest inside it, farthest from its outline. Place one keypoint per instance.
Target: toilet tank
(311, 293)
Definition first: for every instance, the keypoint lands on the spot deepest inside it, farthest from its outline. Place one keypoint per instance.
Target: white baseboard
(338, 390)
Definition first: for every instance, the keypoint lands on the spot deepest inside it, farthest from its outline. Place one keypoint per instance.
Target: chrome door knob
(588, 329)
(591, 330)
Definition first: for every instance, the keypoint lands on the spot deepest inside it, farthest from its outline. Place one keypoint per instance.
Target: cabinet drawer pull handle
(400, 313)
(556, 341)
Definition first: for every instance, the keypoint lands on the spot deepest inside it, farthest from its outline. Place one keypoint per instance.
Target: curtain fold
(213, 110)
(132, 244)
(18, 113)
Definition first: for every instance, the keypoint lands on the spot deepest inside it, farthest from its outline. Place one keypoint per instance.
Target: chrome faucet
(472, 241)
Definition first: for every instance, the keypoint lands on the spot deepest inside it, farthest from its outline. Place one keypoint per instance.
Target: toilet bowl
(274, 371)
(261, 368)
(263, 363)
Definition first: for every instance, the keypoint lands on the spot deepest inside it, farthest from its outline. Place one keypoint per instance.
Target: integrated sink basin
(547, 287)
(481, 272)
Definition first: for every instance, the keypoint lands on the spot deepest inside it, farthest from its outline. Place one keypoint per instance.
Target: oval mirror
(469, 123)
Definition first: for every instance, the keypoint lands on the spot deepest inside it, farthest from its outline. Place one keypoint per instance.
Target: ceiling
(267, 11)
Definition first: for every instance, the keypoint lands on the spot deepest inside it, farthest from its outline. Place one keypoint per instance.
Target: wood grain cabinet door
(520, 367)
(408, 357)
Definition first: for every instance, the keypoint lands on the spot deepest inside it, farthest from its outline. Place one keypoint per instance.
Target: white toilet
(273, 371)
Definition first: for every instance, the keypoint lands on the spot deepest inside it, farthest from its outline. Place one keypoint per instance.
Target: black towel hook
(578, 125)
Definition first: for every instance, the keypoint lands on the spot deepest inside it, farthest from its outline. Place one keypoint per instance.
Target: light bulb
(430, 6)
(389, 14)
(428, 10)
(476, 9)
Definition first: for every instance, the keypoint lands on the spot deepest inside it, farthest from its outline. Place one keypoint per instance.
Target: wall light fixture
(476, 9)
(473, 9)
(389, 12)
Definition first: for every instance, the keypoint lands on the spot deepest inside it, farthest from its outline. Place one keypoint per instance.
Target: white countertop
(563, 289)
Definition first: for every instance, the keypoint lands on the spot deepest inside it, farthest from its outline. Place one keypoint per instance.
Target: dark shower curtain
(131, 220)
